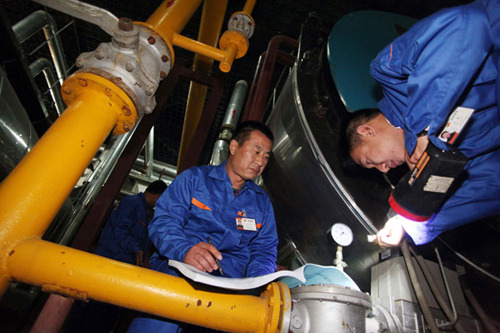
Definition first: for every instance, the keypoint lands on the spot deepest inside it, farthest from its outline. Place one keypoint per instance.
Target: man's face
(249, 160)
(381, 150)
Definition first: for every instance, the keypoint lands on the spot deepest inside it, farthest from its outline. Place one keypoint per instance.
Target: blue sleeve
(126, 216)
(166, 230)
(424, 72)
(263, 249)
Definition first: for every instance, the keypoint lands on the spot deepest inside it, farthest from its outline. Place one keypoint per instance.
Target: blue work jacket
(125, 232)
(446, 60)
(200, 203)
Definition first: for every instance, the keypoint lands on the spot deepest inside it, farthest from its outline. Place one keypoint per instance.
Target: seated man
(219, 205)
(447, 60)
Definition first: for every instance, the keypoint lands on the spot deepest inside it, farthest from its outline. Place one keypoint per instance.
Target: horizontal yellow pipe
(198, 47)
(75, 273)
(35, 190)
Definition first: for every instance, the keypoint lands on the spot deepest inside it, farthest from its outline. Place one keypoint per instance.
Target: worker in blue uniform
(125, 235)
(447, 60)
(217, 212)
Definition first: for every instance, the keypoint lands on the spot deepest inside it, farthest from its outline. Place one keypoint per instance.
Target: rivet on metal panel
(126, 128)
(67, 90)
(99, 54)
(130, 66)
(151, 40)
(82, 82)
(126, 110)
(164, 58)
(108, 92)
(163, 74)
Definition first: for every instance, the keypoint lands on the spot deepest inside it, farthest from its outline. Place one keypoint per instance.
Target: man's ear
(233, 145)
(366, 130)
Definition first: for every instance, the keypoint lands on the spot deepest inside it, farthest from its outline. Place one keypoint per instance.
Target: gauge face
(341, 234)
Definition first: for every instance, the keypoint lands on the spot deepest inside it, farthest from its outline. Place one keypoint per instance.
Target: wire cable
(488, 274)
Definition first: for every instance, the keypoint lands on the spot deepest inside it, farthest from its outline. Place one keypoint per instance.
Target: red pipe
(254, 109)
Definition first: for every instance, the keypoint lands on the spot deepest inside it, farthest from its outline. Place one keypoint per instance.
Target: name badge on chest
(243, 223)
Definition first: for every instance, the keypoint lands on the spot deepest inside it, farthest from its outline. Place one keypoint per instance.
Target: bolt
(82, 82)
(125, 24)
(67, 90)
(151, 40)
(79, 62)
(126, 110)
(296, 322)
(108, 92)
(126, 128)
(164, 58)
(99, 54)
(130, 66)
(150, 90)
(163, 74)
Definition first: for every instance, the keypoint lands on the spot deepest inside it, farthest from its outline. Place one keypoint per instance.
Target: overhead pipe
(233, 112)
(44, 66)
(149, 153)
(31, 24)
(210, 27)
(259, 91)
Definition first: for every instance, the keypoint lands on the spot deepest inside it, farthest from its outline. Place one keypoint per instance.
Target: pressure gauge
(341, 234)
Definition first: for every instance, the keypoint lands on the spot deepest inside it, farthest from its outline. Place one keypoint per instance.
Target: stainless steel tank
(307, 179)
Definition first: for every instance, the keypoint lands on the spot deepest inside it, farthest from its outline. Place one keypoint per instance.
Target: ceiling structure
(272, 18)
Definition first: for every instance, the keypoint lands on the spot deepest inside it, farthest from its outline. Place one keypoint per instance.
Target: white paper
(308, 274)
(196, 275)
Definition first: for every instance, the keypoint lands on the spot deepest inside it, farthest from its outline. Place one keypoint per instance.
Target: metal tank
(309, 178)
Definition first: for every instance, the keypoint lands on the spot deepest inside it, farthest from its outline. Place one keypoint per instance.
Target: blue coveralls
(126, 231)
(200, 202)
(449, 59)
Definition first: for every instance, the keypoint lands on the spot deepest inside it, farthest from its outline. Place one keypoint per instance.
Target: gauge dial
(341, 234)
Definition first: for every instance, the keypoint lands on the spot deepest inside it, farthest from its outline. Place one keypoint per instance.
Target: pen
(216, 260)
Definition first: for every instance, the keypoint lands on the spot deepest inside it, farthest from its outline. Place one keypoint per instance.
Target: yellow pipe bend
(34, 191)
(82, 275)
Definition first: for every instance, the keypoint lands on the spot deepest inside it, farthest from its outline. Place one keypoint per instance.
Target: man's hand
(392, 233)
(139, 258)
(202, 256)
(420, 147)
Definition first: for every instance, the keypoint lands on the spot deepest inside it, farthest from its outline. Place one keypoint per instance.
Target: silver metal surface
(40, 19)
(233, 112)
(86, 12)
(328, 308)
(17, 135)
(308, 196)
(44, 66)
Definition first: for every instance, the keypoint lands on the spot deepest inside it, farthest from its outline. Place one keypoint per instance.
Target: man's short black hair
(357, 119)
(157, 187)
(245, 128)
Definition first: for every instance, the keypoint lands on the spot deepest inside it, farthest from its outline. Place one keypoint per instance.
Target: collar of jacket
(219, 172)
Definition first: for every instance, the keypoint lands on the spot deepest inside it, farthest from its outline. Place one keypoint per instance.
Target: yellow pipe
(171, 16)
(198, 47)
(212, 19)
(83, 275)
(249, 7)
(34, 191)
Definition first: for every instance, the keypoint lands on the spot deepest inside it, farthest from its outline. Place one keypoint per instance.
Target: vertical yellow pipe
(83, 275)
(210, 28)
(35, 190)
